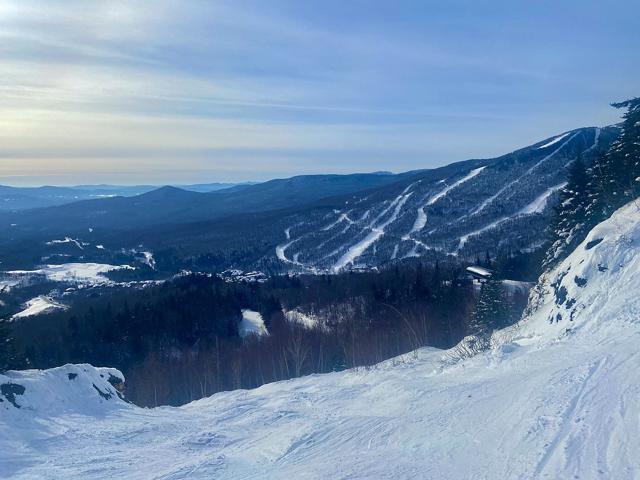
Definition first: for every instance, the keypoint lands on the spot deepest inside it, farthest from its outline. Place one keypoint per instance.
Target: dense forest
(179, 340)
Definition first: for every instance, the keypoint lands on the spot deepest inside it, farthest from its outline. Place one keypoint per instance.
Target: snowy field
(80, 273)
(39, 305)
(548, 401)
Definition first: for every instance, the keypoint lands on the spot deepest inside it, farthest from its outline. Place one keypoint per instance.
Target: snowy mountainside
(504, 202)
(595, 283)
(314, 223)
(554, 397)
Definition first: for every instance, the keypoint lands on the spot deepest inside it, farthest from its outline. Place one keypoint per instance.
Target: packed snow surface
(553, 398)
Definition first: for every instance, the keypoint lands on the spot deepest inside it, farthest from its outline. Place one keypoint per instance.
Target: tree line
(179, 341)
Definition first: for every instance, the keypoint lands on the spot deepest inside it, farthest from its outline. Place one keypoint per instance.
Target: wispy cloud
(90, 89)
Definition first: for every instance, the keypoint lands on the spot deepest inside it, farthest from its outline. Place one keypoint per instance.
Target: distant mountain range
(316, 223)
(22, 198)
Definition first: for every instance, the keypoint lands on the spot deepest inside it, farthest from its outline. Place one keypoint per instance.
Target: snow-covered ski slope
(464, 209)
(553, 398)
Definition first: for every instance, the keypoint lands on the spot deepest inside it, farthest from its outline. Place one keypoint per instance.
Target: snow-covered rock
(553, 397)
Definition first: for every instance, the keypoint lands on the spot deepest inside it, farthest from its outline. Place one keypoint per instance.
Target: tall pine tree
(570, 223)
(492, 310)
(593, 195)
(617, 173)
(5, 347)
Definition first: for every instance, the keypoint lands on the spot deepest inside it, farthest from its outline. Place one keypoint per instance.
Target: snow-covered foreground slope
(548, 400)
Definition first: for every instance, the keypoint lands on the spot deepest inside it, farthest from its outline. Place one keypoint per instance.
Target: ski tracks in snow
(570, 422)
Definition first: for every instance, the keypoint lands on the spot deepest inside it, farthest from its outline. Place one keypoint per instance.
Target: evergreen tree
(592, 195)
(492, 310)
(5, 347)
(618, 171)
(570, 224)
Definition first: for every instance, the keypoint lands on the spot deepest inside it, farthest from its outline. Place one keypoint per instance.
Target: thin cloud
(91, 88)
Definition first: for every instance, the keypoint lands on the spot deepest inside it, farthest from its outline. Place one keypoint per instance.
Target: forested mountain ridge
(24, 198)
(501, 203)
(173, 205)
(322, 222)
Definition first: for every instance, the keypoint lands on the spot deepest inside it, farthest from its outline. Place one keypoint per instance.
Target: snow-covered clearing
(547, 400)
(464, 238)
(305, 319)
(418, 225)
(147, 259)
(540, 203)
(76, 242)
(252, 324)
(81, 273)
(554, 141)
(455, 184)
(39, 305)
(7, 284)
(280, 253)
(596, 140)
(281, 249)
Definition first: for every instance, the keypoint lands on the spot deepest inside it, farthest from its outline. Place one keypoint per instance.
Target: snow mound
(77, 389)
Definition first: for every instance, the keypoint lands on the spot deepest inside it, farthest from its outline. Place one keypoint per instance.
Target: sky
(188, 91)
